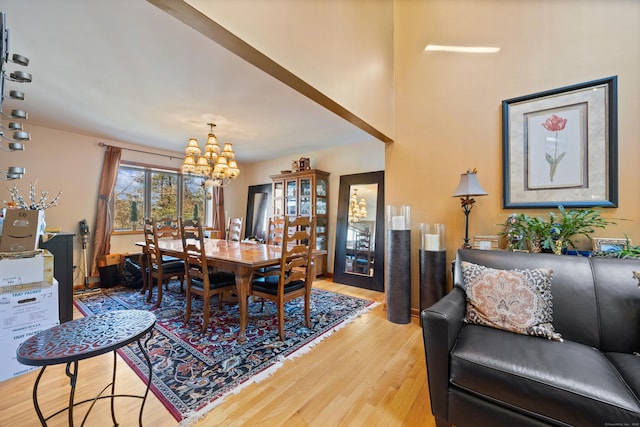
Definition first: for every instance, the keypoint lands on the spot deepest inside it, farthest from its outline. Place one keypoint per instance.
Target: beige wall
(343, 48)
(448, 106)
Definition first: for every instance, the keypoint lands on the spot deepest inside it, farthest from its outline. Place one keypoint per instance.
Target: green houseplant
(553, 234)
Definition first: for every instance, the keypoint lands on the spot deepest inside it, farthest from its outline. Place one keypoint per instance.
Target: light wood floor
(369, 373)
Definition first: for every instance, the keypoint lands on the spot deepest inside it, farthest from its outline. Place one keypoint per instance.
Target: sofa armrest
(441, 324)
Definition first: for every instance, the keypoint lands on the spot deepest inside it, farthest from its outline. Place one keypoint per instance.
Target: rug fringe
(198, 415)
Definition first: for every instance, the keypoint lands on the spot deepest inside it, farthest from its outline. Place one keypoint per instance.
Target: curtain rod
(102, 144)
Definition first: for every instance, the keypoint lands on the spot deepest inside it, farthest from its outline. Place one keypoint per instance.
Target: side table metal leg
(73, 376)
(143, 350)
(35, 397)
(113, 388)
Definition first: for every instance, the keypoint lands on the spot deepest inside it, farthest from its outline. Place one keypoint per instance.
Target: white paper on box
(33, 306)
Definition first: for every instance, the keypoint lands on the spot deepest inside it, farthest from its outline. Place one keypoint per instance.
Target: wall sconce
(16, 133)
(467, 187)
(14, 172)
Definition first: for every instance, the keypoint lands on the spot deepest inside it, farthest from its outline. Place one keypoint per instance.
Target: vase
(535, 246)
(558, 246)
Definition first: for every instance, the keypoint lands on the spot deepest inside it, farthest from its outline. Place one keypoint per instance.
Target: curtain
(218, 222)
(104, 223)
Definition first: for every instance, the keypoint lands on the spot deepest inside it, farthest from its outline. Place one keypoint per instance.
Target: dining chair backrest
(167, 228)
(234, 229)
(151, 249)
(275, 231)
(188, 228)
(298, 241)
(192, 236)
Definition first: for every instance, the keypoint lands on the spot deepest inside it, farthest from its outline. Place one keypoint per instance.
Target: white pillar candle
(432, 242)
(397, 222)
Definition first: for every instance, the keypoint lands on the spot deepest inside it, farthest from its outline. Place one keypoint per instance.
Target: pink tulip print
(554, 124)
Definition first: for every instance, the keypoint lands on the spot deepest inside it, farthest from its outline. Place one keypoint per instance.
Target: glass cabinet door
(278, 198)
(321, 233)
(305, 206)
(305, 186)
(291, 203)
(321, 187)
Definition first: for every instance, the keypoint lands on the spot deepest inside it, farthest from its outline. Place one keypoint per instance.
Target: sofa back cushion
(618, 296)
(575, 315)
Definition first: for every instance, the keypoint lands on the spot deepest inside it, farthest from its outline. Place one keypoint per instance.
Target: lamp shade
(469, 186)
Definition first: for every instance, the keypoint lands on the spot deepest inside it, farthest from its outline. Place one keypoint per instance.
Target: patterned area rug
(192, 372)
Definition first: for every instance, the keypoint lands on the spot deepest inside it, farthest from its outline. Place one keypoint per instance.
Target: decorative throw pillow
(519, 301)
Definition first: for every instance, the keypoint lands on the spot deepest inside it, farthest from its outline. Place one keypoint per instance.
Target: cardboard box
(35, 306)
(20, 230)
(18, 271)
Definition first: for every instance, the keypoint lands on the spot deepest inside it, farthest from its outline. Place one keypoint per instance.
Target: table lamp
(467, 187)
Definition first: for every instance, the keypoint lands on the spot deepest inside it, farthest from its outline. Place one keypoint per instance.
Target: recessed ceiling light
(461, 49)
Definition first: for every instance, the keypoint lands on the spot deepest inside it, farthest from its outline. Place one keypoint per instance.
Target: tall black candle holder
(433, 264)
(398, 264)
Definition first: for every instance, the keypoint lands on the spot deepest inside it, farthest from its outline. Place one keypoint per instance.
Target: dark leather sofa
(482, 376)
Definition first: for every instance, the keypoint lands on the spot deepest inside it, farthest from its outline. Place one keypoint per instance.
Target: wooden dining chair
(160, 269)
(294, 278)
(275, 231)
(201, 280)
(234, 229)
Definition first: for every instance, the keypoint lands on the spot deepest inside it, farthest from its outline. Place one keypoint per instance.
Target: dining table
(240, 258)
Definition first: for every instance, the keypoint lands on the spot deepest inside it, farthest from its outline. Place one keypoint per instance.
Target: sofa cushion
(516, 300)
(629, 367)
(559, 382)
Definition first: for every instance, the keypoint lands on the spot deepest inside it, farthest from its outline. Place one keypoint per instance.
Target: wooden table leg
(242, 284)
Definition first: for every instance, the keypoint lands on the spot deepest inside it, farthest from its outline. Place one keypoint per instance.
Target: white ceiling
(124, 70)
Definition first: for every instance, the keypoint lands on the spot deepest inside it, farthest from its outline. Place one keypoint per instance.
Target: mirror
(257, 219)
(359, 255)
(361, 225)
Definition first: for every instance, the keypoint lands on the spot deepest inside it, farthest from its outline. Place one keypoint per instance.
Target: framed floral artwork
(559, 147)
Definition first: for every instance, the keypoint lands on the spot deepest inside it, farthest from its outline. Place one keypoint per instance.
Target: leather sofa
(483, 376)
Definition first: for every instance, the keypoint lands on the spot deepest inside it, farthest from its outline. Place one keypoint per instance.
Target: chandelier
(218, 167)
(357, 208)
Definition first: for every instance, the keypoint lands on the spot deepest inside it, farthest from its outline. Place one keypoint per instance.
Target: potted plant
(526, 233)
(578, 222)
(553, 234)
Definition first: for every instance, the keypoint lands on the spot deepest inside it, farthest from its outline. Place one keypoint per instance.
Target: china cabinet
(305, 193)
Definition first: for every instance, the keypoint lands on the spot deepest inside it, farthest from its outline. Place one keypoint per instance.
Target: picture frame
(489, 243)
(559, 147)
(602, 244)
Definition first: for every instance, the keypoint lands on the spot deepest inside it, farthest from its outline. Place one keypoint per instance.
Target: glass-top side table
(84, 338)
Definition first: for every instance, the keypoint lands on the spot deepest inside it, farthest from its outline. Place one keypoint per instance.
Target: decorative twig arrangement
(18, 201)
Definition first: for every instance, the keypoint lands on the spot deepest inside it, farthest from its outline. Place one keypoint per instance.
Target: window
(146, 192)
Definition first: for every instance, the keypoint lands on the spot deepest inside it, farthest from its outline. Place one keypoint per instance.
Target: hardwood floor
(371, 372)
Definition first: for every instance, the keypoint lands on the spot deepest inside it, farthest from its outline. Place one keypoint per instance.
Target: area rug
(193, 372)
